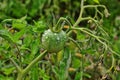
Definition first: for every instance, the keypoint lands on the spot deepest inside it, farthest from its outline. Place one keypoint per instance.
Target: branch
(93, 6)
(96, 22)
(80, 14)
(16, 65)
(34, 61)
(96, 37)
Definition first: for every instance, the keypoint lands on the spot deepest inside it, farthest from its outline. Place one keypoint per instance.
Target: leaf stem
(16, 65)
(96, 37)
(80, 14)
(34, 61)
(23, 72)
(90, 6)
(57, 28)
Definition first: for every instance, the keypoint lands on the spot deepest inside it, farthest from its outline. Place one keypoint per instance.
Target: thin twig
(80, 15)
(16, 65)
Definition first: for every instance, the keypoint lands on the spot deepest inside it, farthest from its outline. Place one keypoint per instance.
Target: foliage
(91, 52)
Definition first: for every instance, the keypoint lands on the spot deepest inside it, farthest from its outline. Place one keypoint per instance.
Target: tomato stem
(16, 65)
(80, 14)
(23, 72)
(34, 61)
(20, 76)
(58, 28)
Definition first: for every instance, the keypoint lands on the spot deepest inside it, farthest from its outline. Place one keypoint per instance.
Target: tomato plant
(73, 47)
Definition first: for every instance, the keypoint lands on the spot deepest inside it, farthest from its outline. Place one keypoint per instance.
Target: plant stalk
(20, 76)
(23, 72)
(16, 65)
(80, 15)
(34, 61)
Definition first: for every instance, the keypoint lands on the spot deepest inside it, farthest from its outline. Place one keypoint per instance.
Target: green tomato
(53, 42)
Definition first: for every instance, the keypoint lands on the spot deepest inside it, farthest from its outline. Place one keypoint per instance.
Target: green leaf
(86, 75)
(7, 20)
(43, 75)
(35, 46)
(118, 76)
(96, 1)
(55, 70)
(19, 24)
(27, 40)
(62, 71)
(78, 76)
(5, 78)
(40, 26)
(17, 35)
(35, 73)
(34, 49)
(8, 71)
(6, 35)
(24, 17)
(76, 62)
(117, 21)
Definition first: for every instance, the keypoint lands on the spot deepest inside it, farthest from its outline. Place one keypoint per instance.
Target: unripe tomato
(53, 41)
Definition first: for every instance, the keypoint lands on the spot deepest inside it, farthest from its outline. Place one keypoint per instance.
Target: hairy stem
(34, 62)
(23, 72)
(80, 15)
(20, 76)
(96, 37)
(16, 65)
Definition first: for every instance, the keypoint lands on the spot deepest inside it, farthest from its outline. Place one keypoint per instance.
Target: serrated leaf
(19, 24)
(8, 71)
(40, 26)
(17, 35)
(43, 75)
(6, 35)
(34, 49)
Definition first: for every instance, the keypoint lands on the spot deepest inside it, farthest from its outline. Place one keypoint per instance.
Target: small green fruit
(53, 42)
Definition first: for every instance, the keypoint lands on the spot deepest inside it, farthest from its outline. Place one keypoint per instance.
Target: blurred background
(36, 10)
